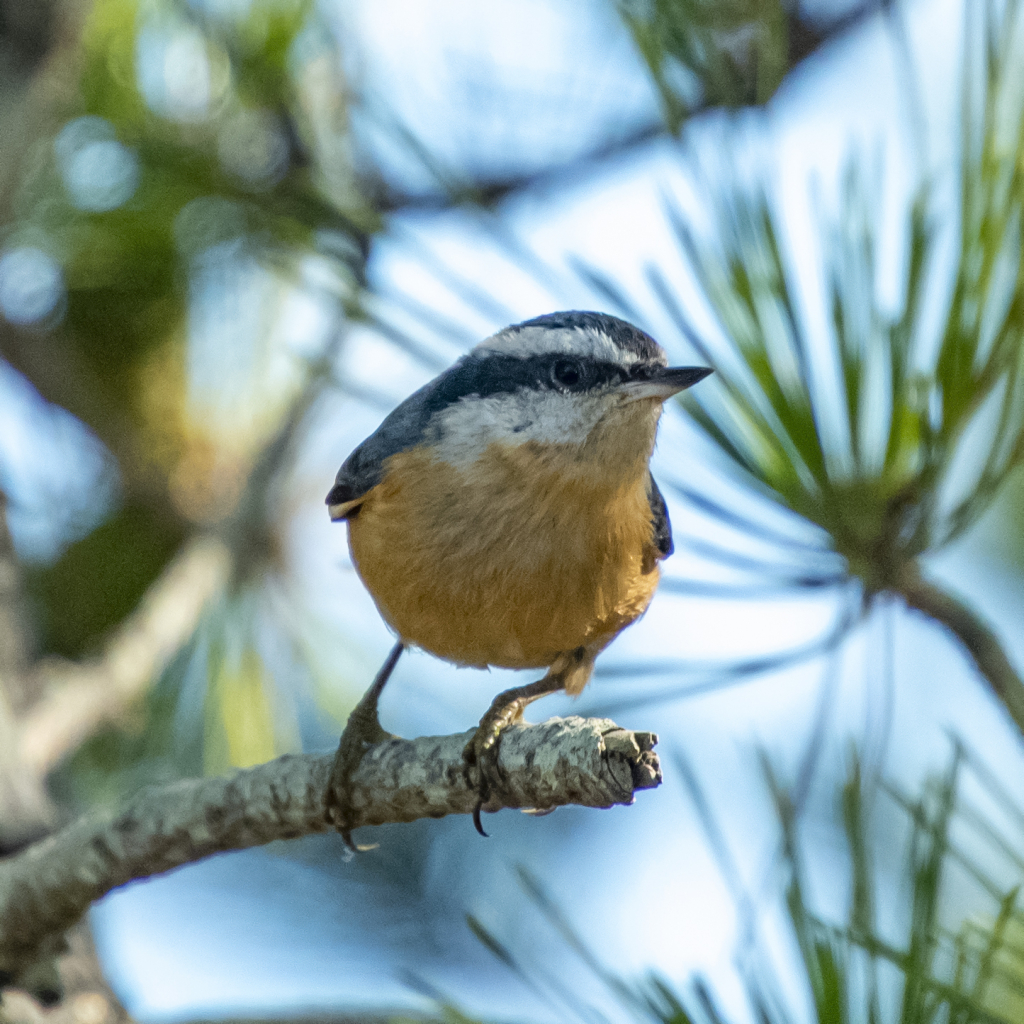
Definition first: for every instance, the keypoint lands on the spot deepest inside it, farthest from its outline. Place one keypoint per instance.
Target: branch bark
(977, 638)
(46, 888)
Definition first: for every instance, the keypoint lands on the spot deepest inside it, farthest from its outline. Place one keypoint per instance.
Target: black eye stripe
(488, 375)
(485, 375)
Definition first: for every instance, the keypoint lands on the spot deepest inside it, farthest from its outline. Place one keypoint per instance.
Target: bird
(505, 515)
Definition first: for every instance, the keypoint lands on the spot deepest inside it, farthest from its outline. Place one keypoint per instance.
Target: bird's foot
(362, 732)
(482, 750)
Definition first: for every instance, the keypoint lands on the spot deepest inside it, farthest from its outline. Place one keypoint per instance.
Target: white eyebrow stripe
(540, 341)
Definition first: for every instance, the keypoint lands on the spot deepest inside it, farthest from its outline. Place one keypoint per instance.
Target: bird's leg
(362, 731)
(482, 750)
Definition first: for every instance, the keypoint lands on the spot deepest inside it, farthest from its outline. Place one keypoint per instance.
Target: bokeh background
(235, 233)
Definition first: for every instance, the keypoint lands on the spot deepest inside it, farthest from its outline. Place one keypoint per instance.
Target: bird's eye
(566, 373)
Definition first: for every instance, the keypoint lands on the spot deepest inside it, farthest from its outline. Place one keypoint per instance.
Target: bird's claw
(481, 753)
(362, 732)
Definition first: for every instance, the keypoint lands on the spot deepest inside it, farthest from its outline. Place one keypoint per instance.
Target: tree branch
(980, 642)
(43, 890)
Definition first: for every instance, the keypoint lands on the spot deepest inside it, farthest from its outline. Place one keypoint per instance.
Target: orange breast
(509, 566)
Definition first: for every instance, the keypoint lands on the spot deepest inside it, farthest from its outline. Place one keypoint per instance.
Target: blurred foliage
(224, 135)
(226, 700)
(153, 181)
(189, 173)
(708, 53)
(854, 971)
(869, 439)
(99, 580)
(157, 743)
(1004, 538)
(193, 144)
(204, 143)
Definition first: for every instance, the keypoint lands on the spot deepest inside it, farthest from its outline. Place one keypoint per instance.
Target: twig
(980, 642)
(82, 697)
(590, 762)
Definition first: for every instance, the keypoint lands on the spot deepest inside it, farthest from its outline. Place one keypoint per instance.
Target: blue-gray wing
(407, 425)
(659, 517)
(364, 468)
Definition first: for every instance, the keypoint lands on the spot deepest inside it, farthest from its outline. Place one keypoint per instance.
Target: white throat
(463, 431)
(610, 437)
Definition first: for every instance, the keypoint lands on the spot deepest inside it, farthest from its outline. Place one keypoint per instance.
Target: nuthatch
(505, 514)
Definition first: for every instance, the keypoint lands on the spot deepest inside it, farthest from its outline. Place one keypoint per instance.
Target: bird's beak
(664, 382)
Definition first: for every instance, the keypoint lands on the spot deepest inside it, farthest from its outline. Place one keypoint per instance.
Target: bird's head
(584, 390)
